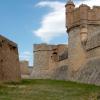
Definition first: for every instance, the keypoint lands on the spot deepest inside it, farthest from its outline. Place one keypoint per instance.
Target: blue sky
(29, 22)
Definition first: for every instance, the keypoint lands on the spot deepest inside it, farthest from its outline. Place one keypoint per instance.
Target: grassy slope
(48, 90)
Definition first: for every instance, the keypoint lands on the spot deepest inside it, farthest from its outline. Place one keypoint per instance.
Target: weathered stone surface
(81, 15)
(24, 67)
(90, 72)
(93, 42)
(57, 72)
(42, 56)
(40, 74)
(80, 60)
(83, 27)
(9, 60)
(50, 61)
(26, 70)
(60, 73)
(30, 69)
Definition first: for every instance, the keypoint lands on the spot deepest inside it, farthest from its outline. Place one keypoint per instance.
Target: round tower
(76, 53)
(70, 6)
(69, 13)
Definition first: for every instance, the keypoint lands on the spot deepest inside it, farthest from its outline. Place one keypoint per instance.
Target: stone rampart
(9, 60)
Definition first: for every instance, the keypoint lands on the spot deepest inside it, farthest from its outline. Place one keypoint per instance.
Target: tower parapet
(83, 15)
(41, 47)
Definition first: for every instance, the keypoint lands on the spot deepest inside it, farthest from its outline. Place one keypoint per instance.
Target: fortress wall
(93, 30)
(42, 56)
(79, 53)
(47, 63)
(24, 66)
(62, 55)
(44, 60)
(93, 53)
(76, 52)
(30, 69)
(63, 63)
(9, 60)
(93, 42)
(62, 48)
(60, 71)
(84, 43)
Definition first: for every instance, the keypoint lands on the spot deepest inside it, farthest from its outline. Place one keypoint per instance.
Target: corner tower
(83, 27)
(76, 24)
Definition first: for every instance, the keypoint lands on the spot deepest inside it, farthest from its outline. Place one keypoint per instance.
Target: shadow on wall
(60, 73)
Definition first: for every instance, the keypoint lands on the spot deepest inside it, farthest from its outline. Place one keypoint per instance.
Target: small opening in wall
(13, 47)
(1, 60)
(3, 41)
(55, 53)
(0, 44)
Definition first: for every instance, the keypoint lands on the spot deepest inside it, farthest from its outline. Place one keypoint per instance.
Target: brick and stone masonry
(25, 69)
(50, 61)
(83, 28)
(9, 61)
(80, 59)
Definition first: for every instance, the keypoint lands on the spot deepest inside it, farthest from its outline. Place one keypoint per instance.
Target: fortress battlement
(46, 47)
(43, 47)
(81, 16)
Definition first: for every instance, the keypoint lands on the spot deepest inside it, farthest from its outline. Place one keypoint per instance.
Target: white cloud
(90, 2)
(52, 24)
(25, 56)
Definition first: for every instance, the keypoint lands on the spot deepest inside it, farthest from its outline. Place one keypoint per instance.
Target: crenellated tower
(83, 28)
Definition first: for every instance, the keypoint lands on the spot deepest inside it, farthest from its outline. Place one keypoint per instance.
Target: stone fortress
(80, 59)
(83, 27)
